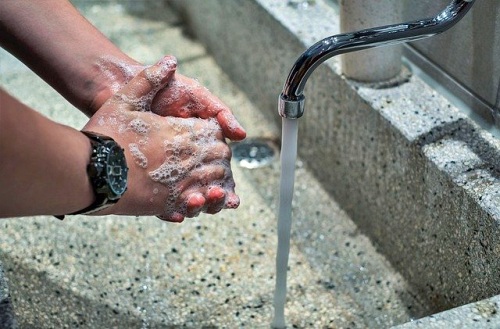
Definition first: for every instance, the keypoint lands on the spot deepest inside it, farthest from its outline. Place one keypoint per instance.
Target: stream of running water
(288, 158)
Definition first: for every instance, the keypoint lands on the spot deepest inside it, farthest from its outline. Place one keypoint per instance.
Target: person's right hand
(181, 97)
(184, 97)
(178, 167)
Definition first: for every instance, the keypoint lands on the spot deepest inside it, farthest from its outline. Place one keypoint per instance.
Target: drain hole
(253, 153)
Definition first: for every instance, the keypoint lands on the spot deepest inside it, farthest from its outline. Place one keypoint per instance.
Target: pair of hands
(173, 131)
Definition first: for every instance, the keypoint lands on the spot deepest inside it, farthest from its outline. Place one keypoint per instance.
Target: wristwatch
(107, 172)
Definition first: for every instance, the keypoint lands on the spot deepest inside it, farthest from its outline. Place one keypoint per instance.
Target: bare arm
(63, 48)
(178, 167)
(42, 163)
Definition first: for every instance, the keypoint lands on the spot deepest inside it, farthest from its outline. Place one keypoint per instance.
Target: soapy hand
(178, 166)
(181, 97)
(184, 97)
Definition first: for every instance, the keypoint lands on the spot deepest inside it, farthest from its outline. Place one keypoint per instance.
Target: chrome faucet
(291, 100)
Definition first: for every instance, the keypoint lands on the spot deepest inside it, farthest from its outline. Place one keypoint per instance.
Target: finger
(175, 99)
(195, 204)
(185, 97)
(216, 199)
(200, 178)
(148, 82)
(215, 193)
(230, 126)
(174, 217)
(232, 201)
(219, 153)
(213, 107)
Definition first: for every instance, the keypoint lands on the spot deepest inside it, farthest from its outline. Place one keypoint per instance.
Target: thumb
(140, 91)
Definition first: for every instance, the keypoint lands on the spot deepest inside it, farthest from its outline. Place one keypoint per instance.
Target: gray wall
(411, 171)
(470, 52)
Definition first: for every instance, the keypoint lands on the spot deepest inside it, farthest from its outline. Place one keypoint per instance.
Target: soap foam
(116, 71)
(180, 161)
(139, 126)
(183, 98)
(139, 158)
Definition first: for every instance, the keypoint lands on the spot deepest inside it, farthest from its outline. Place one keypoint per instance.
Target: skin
(204, 170)
(97, 78)
(89, 68)
(62, 153)
(59, 152)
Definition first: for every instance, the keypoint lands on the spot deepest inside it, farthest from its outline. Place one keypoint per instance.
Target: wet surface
(254, 153)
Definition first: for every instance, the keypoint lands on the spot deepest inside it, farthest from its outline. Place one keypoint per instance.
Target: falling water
(288, 157)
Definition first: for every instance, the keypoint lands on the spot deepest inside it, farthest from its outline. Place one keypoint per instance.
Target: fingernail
(195, 202)
(215, 192)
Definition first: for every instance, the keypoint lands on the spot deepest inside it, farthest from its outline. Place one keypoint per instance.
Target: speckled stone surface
(484, 314)
(209, 272)
(415, 174)
(413, 229)
(7, 320)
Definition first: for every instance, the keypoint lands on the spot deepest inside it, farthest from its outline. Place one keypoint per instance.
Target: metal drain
(253, 153)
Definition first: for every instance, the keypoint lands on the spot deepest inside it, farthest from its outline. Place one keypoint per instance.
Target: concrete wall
(413, 172)
(7, 320)
(469, 53)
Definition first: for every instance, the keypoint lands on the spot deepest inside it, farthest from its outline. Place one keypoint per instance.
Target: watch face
(116, 170)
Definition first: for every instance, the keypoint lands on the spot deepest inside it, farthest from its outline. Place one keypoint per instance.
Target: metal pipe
(291, 100)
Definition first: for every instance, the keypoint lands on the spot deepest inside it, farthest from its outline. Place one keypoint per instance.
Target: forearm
(42, 163)
(62, 47)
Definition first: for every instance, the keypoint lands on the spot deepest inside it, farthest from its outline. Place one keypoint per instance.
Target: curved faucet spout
(291, 101)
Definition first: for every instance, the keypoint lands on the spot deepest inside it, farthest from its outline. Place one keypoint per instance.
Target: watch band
(98, 204)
